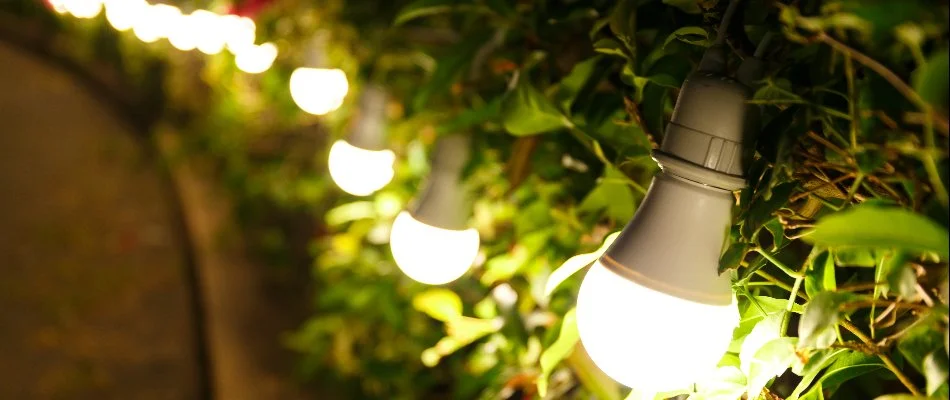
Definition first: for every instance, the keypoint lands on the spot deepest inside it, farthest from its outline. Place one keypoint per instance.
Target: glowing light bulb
(209, 31)
(256, 59)
(318, 91)
(59, 6)
(358, 171)
(431, 255)
(123, 14)
(646, 339)
(83, 8)
(157, 22)
(185, 35)
(239, 32)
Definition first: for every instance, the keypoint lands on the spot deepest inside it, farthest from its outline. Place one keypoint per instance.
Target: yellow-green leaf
(441, 304)
(881, 227)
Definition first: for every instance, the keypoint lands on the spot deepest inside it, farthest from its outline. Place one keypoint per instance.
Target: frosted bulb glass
(648, 340)
(360, 172)
(123, 14)
(209, 31)
(239, 32)
(318, 90)
(256, 59)
(83, 8)
(184, 35)
(157, 22)
(59, 6)
(431, 255)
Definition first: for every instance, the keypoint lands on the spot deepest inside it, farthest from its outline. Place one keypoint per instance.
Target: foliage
(839, 241)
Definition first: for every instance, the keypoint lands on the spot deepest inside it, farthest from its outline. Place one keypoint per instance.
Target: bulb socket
(443, 202)
(368, 129)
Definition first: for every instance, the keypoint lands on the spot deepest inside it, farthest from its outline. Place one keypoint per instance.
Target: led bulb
(358, 171)
(646, 339)
(184, 36)
(158, 21)
(318, 91)
(83, 8)
(209, 31)
(239, 32)
(256, 59)
(431, 255)
(124, 14)
(59, 6)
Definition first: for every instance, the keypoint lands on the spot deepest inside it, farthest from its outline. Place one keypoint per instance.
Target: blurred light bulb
(123, 14)
(184, 36)
(647, 339)
(256, 58)
(318, 91)
(83, 8)
(209, 31)
(59, 6)
(157, 22)
(239, 32)
(431, 255)
(358, 171)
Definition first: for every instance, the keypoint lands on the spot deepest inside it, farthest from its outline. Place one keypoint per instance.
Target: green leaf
(612, 197)
(561, 348)
(726, 382)
(571, 85)
(762, 208)
(473, 116)
(423, 8)
(528, 112)
(775, 227)
(849, 365)
(818, 361)
(694, 35)
(441, 304)
(817, 325)
(931, 80)
(902, 396)
(623, 23)
(610, 47)
(733, 256)
(820, 276)
(770, 361)
(576, 263)
(855, 257)
(935, 370)
(687, 6)
(879, 227)
(898, 275)
(921, 339)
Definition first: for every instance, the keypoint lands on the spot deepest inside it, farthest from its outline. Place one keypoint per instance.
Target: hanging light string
(200, 30)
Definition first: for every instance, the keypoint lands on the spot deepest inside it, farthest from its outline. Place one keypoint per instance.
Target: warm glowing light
(318, 90)
(123, 14)
(83, 8)
(256, 59)
(431, 255)
(159, 21)
(209, 31)
(646, 339)
(360, 172)
(185, 34)
(59, 6)
(238, 32)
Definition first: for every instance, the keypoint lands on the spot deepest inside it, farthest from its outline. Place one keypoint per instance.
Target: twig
(778, 263)
(884, 357)
(830, 145)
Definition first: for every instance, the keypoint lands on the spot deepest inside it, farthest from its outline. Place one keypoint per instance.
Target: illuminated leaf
(881, 227)
(441, 304)
(576, 263)
(557, 351)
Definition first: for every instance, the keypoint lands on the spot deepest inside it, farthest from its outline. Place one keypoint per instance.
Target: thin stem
(779, 264)
(779, 283)
(884, 357)
(852, 100)
(854, 188)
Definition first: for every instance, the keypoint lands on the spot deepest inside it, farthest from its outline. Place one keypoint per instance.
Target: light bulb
(184, 35)
(255, 59)
(318, 91)
(432, 255)
(157, 22)
(653, 312)
(239, 32)
(59, 6)
(123, 14)
(83, 8)
(209, 31)
(647, 339)
(358, 171)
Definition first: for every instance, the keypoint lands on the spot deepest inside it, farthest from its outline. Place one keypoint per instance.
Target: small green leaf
(849, 365)
(902, 396)
(931, 79)
(855, 257)
(726, 382)
(733, 256)
(687, 6)
(561, 348)
(441, 304)
(423, 8)
(923, 338)
(571, 85)
(473, 116)
(898, 275)
(527, 112)
(818, 361)
(879, 227)
(771, 360)
(610, 47)
(817, 325)
(821, 275)
(935, 370)
(775, 227)
(694, 35)
(576, 263)
(613, 196)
